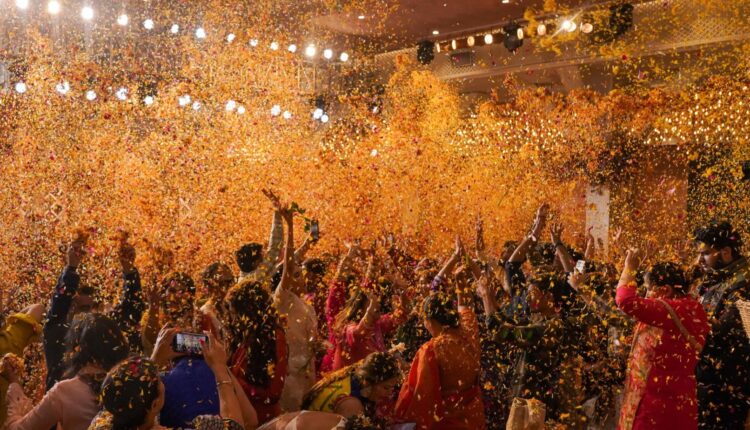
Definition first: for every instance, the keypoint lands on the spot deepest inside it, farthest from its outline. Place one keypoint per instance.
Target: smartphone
(189, 343)
(581, 266)
(315, 230)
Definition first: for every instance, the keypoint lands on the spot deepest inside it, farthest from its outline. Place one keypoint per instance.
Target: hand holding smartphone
(188, 343)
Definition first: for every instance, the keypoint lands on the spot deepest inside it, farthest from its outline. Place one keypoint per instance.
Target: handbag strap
(686, 334)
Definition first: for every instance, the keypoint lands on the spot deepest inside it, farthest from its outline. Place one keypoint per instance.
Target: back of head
(668, 274)
(376, 368)
(562, 293)
(542, 255)
(212, 272)
(95, 339)
(315, 266)
(440, 307)
(129, 391)
(249, 256)
(719, 235)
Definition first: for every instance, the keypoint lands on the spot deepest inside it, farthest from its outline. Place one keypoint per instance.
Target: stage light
(122, 94)
(488, 39)
(541, 29)
(344, 57)
(470, 41)
(91, 95)
(506, 1)
(520, 33)
(274, 46)
(454, 44)
(324, 119)
(123, 20)
(287, 115)
(276, 110)
(200, 33)
(231, 37)
(87, 13)
(183, 100)
(435, 32)
(253, 42)
(241, 110)
(62, 88)
(317, 113)
(231, 105)
(22, 4)
(148, 100)
(361, 17)
(292, 48)
(587, 28)
(175, 29)
(327, 54)
(197, 106)
(54, 7)
(21, 87)
(572, 27)
(512, 42)
(567, 25)
(310, 51)
(148, 24)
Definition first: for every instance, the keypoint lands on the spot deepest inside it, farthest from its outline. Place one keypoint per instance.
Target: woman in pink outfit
(660, 388)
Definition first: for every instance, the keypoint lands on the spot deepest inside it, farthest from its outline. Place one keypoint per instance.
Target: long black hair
(665, 273)
(94, 339)
(253, 326)
(440, 307)
(129, 391)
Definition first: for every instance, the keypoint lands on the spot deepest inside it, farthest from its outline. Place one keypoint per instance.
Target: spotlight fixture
(22, 4)
(324, 119)
(344, 57)
(435, 32)
(327, 54)
(274, 46)
(54, 7)
(253, 42)
(541, 29)
(231, 37)
(91, 95)
(470, 41)
(175, 29)
(567, 25)
(148, 100)
(123, 20)
(148, 24)
(21, 87)
(122, 94)
(62, 88)
(511, 41)
(587, 27)
(200, 33)
(361, 17)
(292, 48)
(425, 52)
(317, 113)
(488, 39)
(87, 13)
(310, 50)
(276, 110)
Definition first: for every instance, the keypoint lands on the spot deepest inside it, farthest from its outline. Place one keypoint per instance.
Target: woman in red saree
(660, 388)
(442, 389)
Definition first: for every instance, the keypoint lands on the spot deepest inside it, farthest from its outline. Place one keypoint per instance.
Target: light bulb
(183, 100)
(197, 105)
(231, 37)
(22, 4)
(274, 46)
(317, 113)
(470, 41)
(327, 54)
(287, 115)
(200, 33)
(63, 87)
(361, 17)
(344, 57)
(566, 25)
(54, 7)
(231, 105)
(292, 48)
(175, 29)
(519, 33)
(541, 29)
(91, 95)
(435, 32)
(310, 50)
(587, 27)
(123, 20)
(148, 100)
(275, 110)
(488, 39)
(572, 27)
(87, 13)
(148, 24)
(253, 42)
(21, 87)
(324, 119)
(122, 94)
(241, 110)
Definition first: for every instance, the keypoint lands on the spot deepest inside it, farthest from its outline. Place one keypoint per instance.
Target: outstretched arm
(519, 255)
(566, 260)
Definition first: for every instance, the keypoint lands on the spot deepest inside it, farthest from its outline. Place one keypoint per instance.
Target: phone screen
(315, 230)
(581, 266)
(189, 343)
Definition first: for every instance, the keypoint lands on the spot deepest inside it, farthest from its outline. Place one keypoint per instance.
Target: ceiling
(414, 20)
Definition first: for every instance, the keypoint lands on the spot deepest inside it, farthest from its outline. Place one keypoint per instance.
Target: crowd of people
(379, 338)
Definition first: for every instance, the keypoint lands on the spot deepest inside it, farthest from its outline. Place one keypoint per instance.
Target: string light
(183, 100)
(175, 29)
(148, 100)
(148, 24)
(241, 110)
(327, 54)
(292, 48)
(344, 57)
(541, 30)
(54, 7)
(122, 94)
(587, 28)
(231, 37)
(123, 20)
(63, 87)
(310, 51)
(21, 87)
(287, 115)
(324, 118)
(469, 41)
(253, 42)
(91, 95)
(317, 113)
(22, 4)
(274, 46)
(276, 110)
(231, 105)
(87, 13)
(200, 33)
(197, 105)
(488, 39)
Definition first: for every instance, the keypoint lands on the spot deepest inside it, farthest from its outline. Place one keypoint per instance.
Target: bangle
(219, 383)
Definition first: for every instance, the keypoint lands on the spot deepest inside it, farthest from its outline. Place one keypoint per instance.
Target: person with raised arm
(253, 263)
(660, 389)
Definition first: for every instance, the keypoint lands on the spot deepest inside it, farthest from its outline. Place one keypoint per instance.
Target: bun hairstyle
(440, 307)
(665, 273)
(129, 391)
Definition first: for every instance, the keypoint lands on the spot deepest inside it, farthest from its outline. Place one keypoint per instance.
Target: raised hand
(75, 253)
(633, 259)
(556, 231)
(126, 255)
(214, 352)
(540, 220)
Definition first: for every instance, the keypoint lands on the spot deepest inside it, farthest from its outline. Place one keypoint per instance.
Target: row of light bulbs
(567, 25)
(87, 13)
(185, 100)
